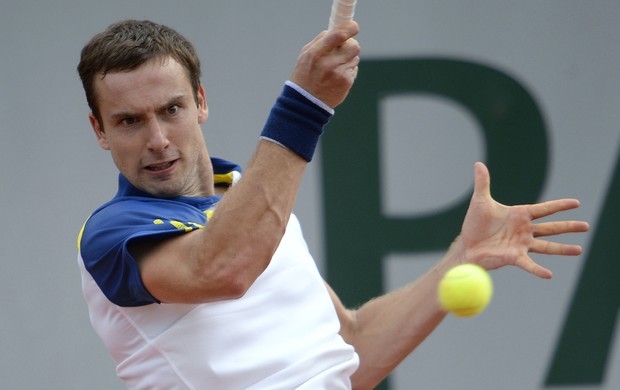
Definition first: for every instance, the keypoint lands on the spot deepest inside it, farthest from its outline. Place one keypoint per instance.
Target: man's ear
(203, 108)
(99, 133)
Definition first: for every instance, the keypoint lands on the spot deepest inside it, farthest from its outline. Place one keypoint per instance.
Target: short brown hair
(126, 45)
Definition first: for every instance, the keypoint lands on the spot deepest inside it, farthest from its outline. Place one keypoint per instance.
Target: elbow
(236, 286)
(243, 268)
(233, 279)
(229, 271)
(227, 285)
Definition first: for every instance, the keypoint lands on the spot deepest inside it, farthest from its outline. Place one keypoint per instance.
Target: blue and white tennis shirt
(282, 334)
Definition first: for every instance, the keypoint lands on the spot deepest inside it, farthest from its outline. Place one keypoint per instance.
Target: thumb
(482, 181)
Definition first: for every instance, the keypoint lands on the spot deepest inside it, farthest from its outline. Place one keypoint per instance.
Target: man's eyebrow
(123, 114)
(127, 114)
(177, 97)
(174, 99)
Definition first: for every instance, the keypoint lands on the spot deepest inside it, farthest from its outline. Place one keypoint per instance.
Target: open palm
(494, 235)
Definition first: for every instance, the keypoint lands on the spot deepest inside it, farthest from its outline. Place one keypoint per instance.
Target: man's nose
(157, 137)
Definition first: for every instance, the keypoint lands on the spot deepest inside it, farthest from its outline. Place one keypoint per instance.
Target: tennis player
(197, 275)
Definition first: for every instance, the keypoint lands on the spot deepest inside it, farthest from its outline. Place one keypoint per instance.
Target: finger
(554, 228)
(349, 64)
(544, 209)
(555, 248)
(346, 56)
(482, 180)
(312, 42)
(337, 37)
(529, 265)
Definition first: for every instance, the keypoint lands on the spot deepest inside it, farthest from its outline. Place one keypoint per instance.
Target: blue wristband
(296, 123)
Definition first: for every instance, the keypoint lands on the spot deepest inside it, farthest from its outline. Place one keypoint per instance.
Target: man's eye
(173, 109)
(129, 121)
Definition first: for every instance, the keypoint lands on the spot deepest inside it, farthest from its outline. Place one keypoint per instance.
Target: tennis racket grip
(342, 11)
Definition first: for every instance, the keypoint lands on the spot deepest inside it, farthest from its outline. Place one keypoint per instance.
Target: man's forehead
(152, 84)
(152, 70)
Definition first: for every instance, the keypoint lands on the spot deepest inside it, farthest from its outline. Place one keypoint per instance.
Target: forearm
(322, 77)
(388, 328)
(252, 217)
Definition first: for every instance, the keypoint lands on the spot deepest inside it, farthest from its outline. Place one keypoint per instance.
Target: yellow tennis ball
(465, 290)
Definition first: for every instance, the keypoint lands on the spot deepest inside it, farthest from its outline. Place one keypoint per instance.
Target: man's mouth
(160, 167)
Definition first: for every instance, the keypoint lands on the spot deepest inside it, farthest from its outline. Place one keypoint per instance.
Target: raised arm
(387, 329)
(222, 260)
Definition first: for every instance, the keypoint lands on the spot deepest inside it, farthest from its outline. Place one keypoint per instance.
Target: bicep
(178, 270)
(161, 273)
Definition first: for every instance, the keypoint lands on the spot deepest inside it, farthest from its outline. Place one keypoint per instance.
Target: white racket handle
(342, 11)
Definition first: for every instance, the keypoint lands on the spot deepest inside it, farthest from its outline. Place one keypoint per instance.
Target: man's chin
(161, 190)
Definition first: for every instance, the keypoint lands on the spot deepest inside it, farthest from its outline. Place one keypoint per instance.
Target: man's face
(150, 122)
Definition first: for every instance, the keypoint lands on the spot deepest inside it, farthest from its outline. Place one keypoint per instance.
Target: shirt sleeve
(104, 247)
